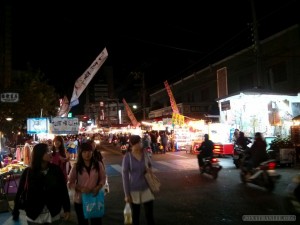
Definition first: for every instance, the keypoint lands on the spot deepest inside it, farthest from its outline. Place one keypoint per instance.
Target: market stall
(9, 175)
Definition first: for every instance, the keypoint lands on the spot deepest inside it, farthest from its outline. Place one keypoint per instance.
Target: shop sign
(9, 97)
(65, 125)
(37, 125)
(225, 105)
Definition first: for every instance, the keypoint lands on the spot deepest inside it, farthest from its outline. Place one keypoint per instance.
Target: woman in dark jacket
(47, 191)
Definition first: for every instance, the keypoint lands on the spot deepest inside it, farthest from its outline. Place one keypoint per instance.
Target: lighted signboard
(9, 97)
(65, 125)
(37, 125)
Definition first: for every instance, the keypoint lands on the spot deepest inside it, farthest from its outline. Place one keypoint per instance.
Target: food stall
(9, 174)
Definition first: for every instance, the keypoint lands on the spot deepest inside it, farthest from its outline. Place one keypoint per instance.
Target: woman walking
(135, 187)
(86, 176)
(47, 192)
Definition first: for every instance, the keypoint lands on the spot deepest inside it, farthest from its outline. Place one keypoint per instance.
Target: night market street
(188, 198)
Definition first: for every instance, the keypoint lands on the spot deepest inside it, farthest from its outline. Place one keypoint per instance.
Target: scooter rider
(243, 141)
(257, 152)
(206, 150)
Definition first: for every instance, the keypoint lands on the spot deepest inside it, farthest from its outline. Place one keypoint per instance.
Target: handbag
(93, 206)
(152, 180)
(23, 196)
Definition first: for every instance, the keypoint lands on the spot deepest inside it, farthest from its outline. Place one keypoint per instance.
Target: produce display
(12, 166)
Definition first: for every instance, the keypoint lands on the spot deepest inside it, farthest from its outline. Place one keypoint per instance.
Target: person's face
(47, 156)
(56, 143)
(139, 145)
(87, 155)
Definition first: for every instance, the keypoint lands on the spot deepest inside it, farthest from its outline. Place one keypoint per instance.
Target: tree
(35, 95)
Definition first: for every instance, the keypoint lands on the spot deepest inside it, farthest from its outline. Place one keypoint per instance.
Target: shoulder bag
(152, 180)
(93, 206)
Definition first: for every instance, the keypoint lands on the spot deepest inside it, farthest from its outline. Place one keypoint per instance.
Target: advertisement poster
(37, 125)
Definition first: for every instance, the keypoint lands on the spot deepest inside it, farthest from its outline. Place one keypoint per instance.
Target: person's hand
(128, 199)
(85, 190)
(82, 189)
(66, 215)
(96, 189)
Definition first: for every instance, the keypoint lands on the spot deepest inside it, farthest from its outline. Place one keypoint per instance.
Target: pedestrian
(47, 192)
(86, 176)
(27, 151)
(135, 187)
(60, 156)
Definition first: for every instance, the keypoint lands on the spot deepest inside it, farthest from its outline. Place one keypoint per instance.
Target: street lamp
(9, 119)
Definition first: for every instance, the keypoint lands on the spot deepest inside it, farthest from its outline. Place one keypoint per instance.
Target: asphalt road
(188, 198)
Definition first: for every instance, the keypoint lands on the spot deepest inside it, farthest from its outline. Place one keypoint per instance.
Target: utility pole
(141, 75)
(257, 48)
(144, 96)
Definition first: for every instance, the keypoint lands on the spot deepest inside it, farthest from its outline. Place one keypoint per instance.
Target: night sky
(166, 41)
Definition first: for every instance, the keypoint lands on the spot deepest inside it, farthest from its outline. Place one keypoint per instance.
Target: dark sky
(166, 41)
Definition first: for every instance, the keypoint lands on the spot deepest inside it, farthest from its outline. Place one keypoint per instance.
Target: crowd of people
(50, 176)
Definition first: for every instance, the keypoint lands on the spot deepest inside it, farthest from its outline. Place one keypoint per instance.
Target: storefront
(253, 111)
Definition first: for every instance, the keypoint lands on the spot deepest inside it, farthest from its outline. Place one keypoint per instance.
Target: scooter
(211, 166)
(238, 155)
(264, 175)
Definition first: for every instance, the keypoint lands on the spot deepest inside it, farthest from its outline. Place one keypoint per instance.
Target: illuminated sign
(37, 125)
(65, 125)
(9, 97)
(225, 105)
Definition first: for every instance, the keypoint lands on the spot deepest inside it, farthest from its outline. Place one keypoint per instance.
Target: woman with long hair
(135, 187)
(47, 192)
(60, 156)
(86, 176)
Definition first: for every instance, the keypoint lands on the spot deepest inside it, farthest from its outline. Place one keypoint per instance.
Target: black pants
(148, 207)
(200, 157)
(80, 217)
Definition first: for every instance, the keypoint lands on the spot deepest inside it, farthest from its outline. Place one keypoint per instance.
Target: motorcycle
(238, 155)
(264, 175)
(211, 166)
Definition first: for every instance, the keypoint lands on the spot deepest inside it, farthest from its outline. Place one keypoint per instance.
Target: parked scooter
(264, 175)
(211, 166)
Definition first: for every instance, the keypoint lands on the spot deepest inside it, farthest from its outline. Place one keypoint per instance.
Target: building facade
(279, 71)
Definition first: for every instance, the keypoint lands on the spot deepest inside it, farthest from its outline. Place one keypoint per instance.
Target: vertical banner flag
(172, 100)
(87, 76)
(131, 116)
